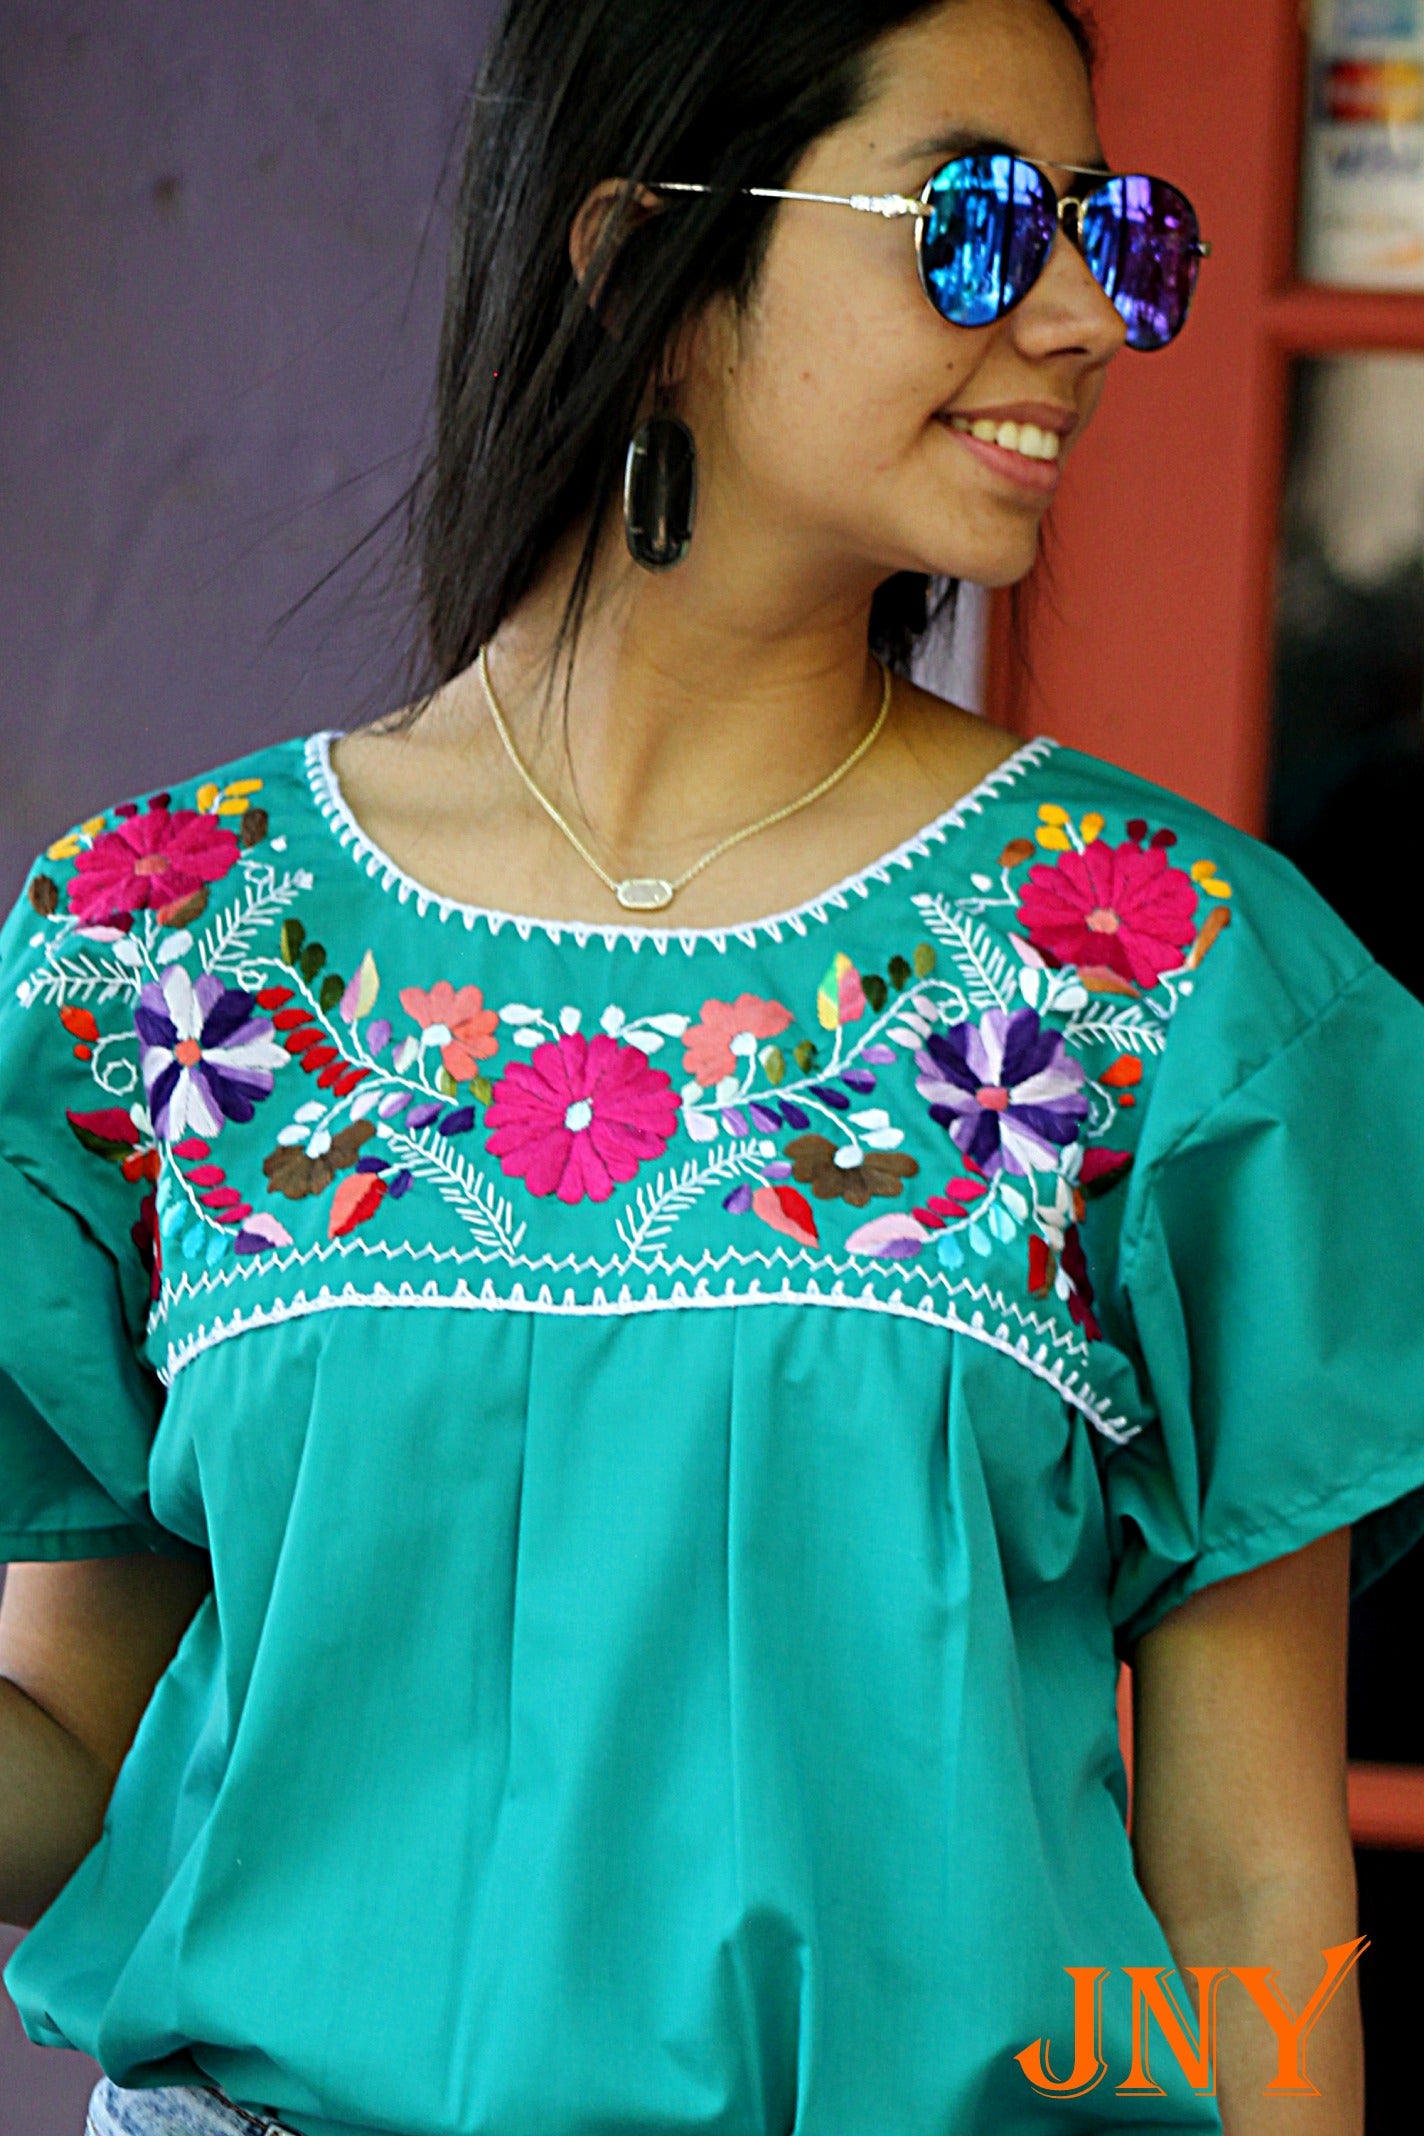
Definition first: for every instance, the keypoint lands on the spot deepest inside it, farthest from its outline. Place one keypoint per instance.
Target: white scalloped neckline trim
(333, 806)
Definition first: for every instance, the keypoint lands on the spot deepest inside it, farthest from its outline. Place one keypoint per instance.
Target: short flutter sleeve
(1272, 1269)
(79, 1407)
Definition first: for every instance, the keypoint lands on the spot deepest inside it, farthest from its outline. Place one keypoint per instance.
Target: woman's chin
(994, 566)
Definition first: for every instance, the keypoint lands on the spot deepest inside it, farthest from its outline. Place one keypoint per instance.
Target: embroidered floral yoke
(685, 1424)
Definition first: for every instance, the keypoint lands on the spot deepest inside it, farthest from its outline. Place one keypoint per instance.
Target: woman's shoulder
(1173, 953)
(120, 899)
(1155, 875)
(166, 847)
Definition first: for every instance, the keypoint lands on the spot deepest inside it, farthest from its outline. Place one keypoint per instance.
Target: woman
(652, 1294)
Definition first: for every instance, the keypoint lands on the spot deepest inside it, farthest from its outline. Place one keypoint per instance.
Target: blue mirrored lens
(1140, 238)
(983, 246)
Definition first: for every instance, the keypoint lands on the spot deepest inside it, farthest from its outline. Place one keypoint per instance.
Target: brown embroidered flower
(295, 1173)
(813, 1163)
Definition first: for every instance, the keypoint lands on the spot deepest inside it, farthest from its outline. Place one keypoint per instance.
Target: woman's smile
(1023, 445)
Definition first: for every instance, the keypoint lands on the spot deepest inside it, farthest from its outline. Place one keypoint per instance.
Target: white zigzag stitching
(1069, 1385)
(676, 1266)
(332, 805)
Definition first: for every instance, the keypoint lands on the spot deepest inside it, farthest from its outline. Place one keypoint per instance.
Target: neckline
(364, 851)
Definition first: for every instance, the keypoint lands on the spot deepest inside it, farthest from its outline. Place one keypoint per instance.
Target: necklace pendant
(644, 893)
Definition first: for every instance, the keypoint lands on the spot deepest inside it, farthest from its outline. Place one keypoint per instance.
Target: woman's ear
(595, 223)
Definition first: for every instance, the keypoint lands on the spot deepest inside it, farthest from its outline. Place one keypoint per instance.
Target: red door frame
(1154, 647)
(1151, 645)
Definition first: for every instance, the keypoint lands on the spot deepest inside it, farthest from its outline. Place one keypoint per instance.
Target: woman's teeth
(1027, 438)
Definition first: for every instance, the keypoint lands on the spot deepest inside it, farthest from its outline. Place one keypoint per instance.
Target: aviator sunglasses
(986, 223)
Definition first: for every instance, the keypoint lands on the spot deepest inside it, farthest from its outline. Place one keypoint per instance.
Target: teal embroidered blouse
(685, 1424)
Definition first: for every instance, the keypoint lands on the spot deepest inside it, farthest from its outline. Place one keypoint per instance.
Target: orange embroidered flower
(456, 1020)
(729, 1030)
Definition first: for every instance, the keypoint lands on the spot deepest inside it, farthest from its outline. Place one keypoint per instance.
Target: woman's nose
(1068, 311)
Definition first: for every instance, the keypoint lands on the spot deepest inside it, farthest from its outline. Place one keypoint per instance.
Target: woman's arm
(1240, 1820)
(83, 1643)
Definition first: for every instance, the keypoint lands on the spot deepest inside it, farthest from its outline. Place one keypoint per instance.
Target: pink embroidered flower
(1120, 907)
(580, 1115)
(457, 1021)
(159, 859)
(729, 1030)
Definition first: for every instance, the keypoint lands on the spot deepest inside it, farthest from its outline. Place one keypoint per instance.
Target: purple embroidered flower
(205, 1057)
(1007, 1090)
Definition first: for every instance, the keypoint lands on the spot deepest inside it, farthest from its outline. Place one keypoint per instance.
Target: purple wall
(217, 332)
(217, 338)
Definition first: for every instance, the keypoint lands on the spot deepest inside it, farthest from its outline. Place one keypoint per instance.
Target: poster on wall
(1363, 194)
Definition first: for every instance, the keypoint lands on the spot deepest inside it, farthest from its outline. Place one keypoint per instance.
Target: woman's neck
(693, 708)
(690, 717)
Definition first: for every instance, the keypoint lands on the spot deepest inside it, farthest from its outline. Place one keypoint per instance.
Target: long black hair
(536, 399)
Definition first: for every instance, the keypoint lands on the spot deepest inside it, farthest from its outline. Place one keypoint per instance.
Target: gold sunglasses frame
(891, 205)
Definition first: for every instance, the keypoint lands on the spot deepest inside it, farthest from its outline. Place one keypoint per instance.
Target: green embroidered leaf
(877, 993)
(899, 972)
(773, 1061)
(483, 1089)
(924, 959)
(292, 937)
(804, 1056)
(445, 1083)
(311, 960)
(332, 990)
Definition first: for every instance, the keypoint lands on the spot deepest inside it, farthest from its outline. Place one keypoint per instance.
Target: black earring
(660, 490)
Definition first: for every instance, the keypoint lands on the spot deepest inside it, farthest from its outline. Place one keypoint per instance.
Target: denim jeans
(172, 2110)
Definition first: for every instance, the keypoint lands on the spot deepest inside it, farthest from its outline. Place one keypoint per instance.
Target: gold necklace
(650, 893)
